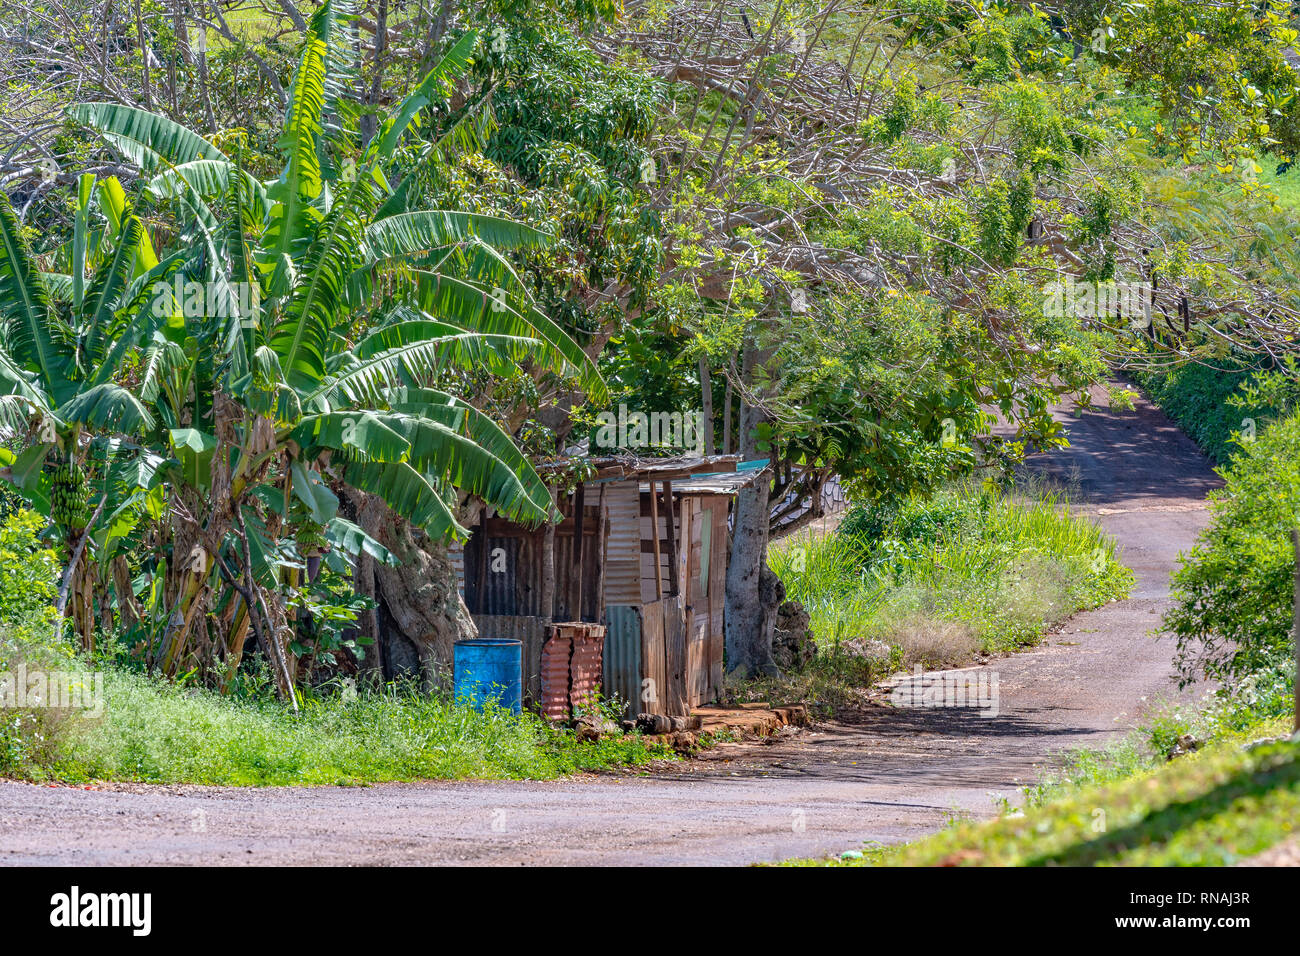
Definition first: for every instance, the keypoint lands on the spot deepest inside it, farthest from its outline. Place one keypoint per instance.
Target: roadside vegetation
(142, 729)
(1214, 807)
(160, 733)
(937, 581)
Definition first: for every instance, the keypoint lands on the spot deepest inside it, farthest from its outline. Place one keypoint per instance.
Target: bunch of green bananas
(70, 496)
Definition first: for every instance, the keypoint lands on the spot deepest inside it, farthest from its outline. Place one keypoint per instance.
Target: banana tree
(288, 383)
(62, 334)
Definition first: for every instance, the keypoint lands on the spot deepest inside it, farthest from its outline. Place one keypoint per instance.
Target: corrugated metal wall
(623, 544)
(623, 656)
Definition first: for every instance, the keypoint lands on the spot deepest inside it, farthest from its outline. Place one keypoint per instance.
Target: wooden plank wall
(718, 591)
(654, 664)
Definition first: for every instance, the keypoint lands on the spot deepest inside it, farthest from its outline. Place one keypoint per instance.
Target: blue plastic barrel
(489, 669)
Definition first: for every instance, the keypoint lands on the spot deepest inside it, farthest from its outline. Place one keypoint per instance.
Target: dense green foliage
(227, 377)
(1234, 592)
(28, 570)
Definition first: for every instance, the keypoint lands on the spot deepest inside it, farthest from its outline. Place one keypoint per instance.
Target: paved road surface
(893, 776)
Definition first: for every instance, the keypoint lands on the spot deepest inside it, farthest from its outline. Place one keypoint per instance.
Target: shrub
(29, 572)
(1233, 594)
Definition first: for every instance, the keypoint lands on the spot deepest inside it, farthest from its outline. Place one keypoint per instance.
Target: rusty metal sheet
(585, 667)
(623, 545)
(570, 668)
(554, 702)
(511, 578)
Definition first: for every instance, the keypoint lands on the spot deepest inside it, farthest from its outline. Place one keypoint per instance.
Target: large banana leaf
(462, 462)
(308, 488)
(472, 307)
(109, 407)
(349, 537)
(408, 233)
(25, 309)
(112, 199)
(409, 352)
(105, 294)
(16, 382)
(149, 140)
(302, 340)
(300, 183)
(407, 492)
(210, 178)
(360, 432)
(463, 418)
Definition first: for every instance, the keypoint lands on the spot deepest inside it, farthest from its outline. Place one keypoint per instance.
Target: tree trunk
(420, 594)
(145, 49)
(750, 612)
(726, 420)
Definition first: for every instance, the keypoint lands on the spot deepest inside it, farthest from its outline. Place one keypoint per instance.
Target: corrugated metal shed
(663, 650)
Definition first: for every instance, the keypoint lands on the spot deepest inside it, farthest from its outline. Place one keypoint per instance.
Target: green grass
(965, 571)
(156, 732)
(1286, 185)
(1214, 807)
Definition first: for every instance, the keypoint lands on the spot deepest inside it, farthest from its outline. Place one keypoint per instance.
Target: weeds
(158, 732)
(934, 581)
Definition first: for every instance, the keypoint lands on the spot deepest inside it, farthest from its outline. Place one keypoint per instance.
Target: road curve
(892, 776)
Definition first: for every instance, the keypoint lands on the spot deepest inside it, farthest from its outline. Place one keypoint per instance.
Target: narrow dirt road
(892, 777)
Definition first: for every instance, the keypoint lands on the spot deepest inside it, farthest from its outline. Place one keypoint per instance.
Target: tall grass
(935, 580)
(156, 732)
